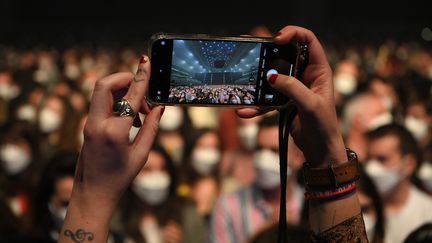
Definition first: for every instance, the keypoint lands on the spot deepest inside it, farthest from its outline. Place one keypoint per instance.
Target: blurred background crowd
(212, 176)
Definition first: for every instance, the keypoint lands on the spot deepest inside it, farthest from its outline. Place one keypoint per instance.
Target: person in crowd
(258, 205)
(18, 168)
(363, 113)
(201, 177)
(372, 208)
(52, 197)
(57, 125)
(151, 210)
(393, 157)
(417, 120)
(173, 127)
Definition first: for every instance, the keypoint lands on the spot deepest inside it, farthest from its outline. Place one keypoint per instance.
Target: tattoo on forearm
(351, 230)
(79, 236)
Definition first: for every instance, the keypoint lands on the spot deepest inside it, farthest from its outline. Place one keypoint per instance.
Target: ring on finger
(122, 108)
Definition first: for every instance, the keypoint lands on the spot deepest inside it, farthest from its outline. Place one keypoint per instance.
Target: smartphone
(204, 70)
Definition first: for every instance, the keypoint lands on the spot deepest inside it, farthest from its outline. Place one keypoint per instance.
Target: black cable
(286, 118)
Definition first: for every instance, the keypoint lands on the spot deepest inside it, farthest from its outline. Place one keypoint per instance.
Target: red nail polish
(272, 78)
(278, 34)
(143, 59)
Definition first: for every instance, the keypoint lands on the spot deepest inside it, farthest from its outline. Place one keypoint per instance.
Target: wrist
(92, 204)
(332, 151)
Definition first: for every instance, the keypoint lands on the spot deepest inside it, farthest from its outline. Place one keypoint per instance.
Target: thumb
(293, 88)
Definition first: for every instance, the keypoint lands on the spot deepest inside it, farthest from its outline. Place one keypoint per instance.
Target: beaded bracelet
(341, 190)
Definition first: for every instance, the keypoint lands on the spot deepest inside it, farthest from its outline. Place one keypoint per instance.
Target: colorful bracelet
(341, 190)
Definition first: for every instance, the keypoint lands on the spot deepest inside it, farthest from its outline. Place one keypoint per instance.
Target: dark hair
(59, 166)
(422, 234)
(407, 142)
(367, 187)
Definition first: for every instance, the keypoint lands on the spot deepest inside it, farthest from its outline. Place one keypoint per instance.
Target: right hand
(315, 130)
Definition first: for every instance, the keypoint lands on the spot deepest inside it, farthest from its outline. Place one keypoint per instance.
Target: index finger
(304, 36)
(101, 104)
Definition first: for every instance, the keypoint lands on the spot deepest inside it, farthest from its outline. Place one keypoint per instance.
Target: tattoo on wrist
(79, 235)
(351, 230)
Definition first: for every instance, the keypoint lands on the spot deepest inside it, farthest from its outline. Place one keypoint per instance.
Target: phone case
(301, 62)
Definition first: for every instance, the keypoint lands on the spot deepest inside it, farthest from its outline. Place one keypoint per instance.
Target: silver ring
(122, 108)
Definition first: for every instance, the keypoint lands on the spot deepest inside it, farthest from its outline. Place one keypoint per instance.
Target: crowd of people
(213, 94)
(209, 176)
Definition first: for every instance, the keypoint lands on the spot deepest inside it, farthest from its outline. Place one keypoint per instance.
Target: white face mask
(369, 222)
(267, 167)
(380, 120)
(204, 160)
(345, 84)
(8, 92)
(248, 135)
(58, 215)
(172, 118)
(152, 188)
(14, 159)
(385, 179)
(26, 113)
(49, 120)
(417, 127)
(72, 71)
(425, 175)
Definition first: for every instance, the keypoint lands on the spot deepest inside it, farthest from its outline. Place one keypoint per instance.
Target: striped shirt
(238, 216)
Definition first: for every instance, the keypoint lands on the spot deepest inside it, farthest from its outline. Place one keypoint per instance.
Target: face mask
(380, 120)
(425, 175)
(8, 92)
(369, 222)
(417, 127)
(267, 167)
(172, 118)
(72, 71)
(248, 135)
(384, 179)
(58, 215)
(26, 113)
(345, 84)
(49, 120)
(204, 160)
(153, 188)
(14, 159)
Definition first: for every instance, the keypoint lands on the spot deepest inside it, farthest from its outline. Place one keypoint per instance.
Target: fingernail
(137, 122)
(278, 34)
(143, 59)
(272, 78)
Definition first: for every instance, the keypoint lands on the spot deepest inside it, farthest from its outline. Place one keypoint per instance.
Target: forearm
(338, 218)
(87, 219)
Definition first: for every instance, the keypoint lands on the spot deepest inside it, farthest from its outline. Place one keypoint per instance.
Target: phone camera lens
(162, 43)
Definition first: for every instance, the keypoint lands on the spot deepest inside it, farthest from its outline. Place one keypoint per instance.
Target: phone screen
(218, 72)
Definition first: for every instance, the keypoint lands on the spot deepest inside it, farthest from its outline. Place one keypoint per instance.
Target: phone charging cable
(286, 117)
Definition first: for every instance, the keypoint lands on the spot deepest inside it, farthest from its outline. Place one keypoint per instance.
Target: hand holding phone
(205, 70)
